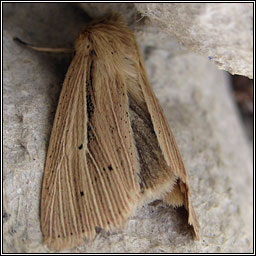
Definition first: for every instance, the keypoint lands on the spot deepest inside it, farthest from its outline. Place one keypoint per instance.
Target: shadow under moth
(111, 149)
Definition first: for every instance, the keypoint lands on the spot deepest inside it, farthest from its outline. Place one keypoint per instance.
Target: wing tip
(193, 222)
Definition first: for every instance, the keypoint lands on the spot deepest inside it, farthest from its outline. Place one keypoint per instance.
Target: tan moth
(111, 148)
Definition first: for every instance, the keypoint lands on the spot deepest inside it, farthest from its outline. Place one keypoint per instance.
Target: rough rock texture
(197, 101)
(221, 31)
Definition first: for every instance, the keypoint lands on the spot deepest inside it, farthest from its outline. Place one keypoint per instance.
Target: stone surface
(197, 101)
(222, 31)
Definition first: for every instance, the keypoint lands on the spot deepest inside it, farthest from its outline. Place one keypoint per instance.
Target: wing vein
(61, 207)
(69, 180)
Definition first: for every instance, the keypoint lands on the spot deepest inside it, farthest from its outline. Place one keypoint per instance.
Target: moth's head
(105, 37)
(82, 43)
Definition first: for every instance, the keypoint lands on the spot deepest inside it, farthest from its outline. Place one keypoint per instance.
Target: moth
(111, 148)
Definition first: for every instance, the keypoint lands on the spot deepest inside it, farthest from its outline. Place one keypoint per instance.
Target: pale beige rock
(197, 101)
(222, 31)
